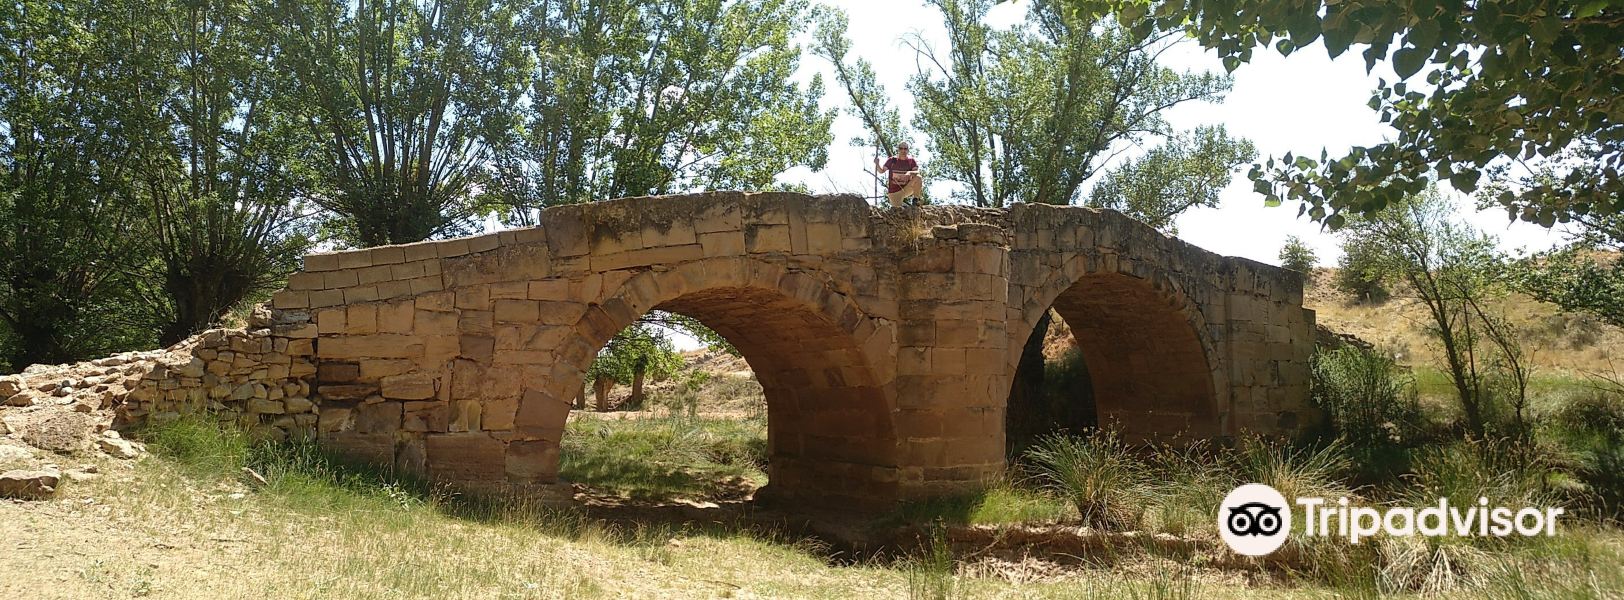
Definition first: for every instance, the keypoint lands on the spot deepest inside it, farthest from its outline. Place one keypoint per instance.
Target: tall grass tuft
(1505, 471)
(198, 444)
(1098, 473)
(1591, 428)
(1193, 482)
(930, 571)
(1294, 471)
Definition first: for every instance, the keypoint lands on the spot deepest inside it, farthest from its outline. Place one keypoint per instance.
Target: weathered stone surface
(29, 485)
(63, 433)
(119, 448)
(886, 341)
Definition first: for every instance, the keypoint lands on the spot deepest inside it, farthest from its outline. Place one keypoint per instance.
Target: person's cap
(902, 145)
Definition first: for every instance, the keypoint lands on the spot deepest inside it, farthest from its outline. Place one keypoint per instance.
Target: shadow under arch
(830, 432)
(1151, 368)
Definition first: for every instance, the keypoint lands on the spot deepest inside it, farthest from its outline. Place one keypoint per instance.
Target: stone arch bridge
(886, 341)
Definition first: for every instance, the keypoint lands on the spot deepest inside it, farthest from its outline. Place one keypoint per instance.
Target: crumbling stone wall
(885, 341)
(258, 379)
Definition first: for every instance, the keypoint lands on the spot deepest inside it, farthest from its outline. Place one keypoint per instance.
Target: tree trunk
(580, 397)
(635, 402)
(600, 387)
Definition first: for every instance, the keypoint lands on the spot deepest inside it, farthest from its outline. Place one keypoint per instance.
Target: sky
(1299, 104)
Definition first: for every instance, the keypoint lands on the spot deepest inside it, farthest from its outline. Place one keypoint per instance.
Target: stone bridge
(886, 341)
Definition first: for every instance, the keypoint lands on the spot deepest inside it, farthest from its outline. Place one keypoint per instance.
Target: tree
(214, 171)
(1504, 89)
(63, 150)
(1359, 271)
(632, 98)
(1036, 112)
(1584, 275)
(403, 98)
(867, 99)
(1452, 270)
(1297, 256)
(632, 355)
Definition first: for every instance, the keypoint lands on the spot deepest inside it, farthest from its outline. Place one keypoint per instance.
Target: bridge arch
(1152, 367)
(828, 393)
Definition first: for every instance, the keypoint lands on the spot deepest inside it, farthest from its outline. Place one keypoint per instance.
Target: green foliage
(1003, 503)
(930, 569)
(1367, 398)
(215, 174)
(867, 98)
(1503, 470)
(1359, 272)
(1591, 428)
(1295, 471)
(402, 100)
(637, 349)
(1510, 87)
(1035, 112)
(1186, 171)
(1297, 256)
(1576, 280)
(63, 221)
(635, 98)
(1098, 473)
(1451, 269)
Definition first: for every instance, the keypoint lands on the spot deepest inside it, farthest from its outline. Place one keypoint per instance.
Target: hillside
(1560, 344)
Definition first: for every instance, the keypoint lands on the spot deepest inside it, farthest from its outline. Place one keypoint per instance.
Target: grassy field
(186, 523)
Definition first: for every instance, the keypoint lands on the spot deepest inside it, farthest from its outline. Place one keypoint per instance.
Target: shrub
(1098, 473)
(1358, 273)
(1297, 256)
(1367, 398)
(1591, 429)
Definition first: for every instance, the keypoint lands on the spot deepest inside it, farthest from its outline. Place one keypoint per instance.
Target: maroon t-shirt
(898, 165)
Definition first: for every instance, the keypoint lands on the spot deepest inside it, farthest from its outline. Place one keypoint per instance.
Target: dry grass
(161, 529)
(1561, 345)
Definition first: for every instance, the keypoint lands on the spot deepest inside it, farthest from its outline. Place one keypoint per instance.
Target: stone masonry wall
(885, 340)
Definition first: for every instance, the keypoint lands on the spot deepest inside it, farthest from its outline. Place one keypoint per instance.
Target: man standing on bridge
(904, 181)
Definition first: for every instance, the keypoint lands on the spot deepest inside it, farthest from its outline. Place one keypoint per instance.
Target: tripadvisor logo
(1255, 519)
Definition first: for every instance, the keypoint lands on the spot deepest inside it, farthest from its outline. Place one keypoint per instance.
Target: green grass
(1001, 504)
(1547, 389)
(660, 458)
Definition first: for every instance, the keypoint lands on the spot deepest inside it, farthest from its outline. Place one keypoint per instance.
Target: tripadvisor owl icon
(1254, 519)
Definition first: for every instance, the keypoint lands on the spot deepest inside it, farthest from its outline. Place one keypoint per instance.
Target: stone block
(766, 238)
(378, 417)
(425, 416)
(305, 281)
(355, 259)
(532, 460)
(722, 243)
(467, 457)
(320, 262)
(338, 372)
(350, 392)
(408, 386)
(517, 311)
(289, 299)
